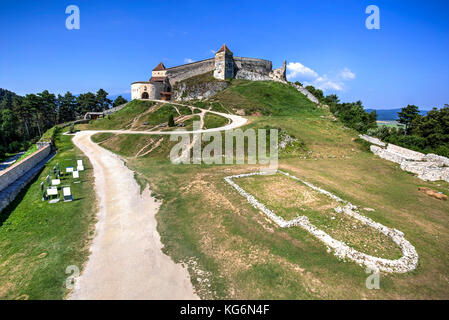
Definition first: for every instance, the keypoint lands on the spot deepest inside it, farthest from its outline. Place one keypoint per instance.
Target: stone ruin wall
(253, 69)
(245, 68)
(427, 167)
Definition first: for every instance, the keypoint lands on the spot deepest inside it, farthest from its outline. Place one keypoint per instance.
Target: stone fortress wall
(180, 73)
(224, 65)
(253, 69)
(17, 176)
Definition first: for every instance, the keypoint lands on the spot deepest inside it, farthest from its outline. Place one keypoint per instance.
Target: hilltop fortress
(224, 66)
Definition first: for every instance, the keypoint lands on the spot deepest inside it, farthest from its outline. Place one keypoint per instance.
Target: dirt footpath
(126, 260)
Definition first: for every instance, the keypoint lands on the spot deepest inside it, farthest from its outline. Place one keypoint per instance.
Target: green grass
(184, 110)
(214, 121)
(122, 118)
(161, 115)
(389, 124)
(215, 106)
(267, 98)
(100, 137)
(248, 257)
(38, 240)
(241, 253)
(203, 217)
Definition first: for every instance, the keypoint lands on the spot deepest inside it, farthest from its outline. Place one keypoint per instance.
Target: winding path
(126, 260)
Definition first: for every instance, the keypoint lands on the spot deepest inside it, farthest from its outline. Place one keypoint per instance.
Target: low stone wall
(305, 92)
(372, 140)
(20, 174)
(115, 109)
(429, 167)
(406, 153)
(14, 172)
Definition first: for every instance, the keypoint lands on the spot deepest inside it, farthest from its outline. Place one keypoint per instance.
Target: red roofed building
(223, 66)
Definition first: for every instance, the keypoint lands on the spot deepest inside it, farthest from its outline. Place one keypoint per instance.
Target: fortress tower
(224, 64)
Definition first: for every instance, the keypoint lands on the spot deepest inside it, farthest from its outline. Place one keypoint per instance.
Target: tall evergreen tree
(102, 100)
(407, 115)
(87, 102)
(67, 107)
(119, 101)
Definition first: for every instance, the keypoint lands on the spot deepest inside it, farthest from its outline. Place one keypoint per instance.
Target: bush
(171, 121)
(2, 152)
(442, 151)
(14, 147)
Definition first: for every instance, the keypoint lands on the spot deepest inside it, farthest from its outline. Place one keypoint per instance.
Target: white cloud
(298, 70)
(188, 60)
(347, 74)
(212, 51)
(324, 83)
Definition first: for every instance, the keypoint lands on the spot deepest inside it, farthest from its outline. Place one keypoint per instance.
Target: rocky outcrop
(185, 91)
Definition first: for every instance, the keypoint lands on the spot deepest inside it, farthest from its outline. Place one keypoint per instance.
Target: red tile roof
(157, 79)
(225, 49)
(159, 67)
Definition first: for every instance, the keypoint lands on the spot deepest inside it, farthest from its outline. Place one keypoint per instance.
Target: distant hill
(390, 114)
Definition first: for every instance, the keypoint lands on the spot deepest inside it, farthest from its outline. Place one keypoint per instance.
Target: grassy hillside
(122, 118)
(233, 251)
(38, 240)
(145, 116)
(266, 98)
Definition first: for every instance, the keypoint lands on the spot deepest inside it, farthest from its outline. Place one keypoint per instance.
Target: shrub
(2, 152)
(15, 146)
(171, 121)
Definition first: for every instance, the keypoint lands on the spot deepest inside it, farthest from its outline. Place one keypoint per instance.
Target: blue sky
(325, 42)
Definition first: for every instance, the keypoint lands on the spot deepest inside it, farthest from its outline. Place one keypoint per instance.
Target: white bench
(53, 192)
(67, 194)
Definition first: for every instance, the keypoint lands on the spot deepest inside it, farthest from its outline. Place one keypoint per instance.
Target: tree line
(23, 119)
(427, 134)
(351, 114)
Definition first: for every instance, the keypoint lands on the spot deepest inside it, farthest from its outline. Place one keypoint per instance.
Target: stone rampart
(252, 69)
(186, 71)
(16, 177)
(14, 172)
